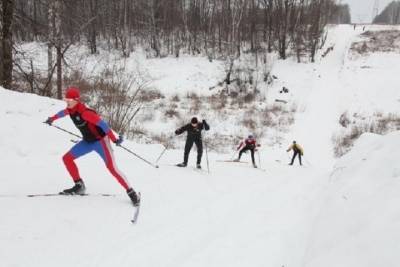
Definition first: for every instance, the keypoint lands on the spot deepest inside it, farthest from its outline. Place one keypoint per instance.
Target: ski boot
(236, 160)
(254, 165)
(134, 197)
(198, 166)
(183, 164)
(78, 189)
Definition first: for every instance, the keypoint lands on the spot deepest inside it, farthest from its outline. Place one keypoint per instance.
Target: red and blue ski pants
(103, 148)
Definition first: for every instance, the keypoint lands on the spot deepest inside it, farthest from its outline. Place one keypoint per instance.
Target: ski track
(200, 221)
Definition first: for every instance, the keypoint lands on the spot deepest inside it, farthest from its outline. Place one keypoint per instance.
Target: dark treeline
(172, 26)
(340, 14)
(217, 28)
(390, 15)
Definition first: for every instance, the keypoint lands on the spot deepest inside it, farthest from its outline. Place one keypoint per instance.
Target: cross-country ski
(80, 195)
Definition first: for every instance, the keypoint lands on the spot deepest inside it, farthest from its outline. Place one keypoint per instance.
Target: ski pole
(162, 153)
(139, 157)
(61, 129)
(259, 159)
(208, 165)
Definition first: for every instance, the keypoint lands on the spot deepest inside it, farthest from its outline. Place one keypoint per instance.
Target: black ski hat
(194, 120)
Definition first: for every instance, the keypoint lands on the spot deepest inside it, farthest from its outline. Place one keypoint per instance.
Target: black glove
(49, 121)
(205, 125)
(119, 141)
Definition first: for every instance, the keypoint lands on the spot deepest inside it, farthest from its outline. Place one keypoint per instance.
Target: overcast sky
(361, 10)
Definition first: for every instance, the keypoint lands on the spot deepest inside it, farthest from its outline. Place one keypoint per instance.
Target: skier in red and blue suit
(96, 136)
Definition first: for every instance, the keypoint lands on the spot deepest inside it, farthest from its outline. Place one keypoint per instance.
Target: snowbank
(359, 220)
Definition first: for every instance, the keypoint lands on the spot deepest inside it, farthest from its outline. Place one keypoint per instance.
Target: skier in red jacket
(248, 144)
(96, 136)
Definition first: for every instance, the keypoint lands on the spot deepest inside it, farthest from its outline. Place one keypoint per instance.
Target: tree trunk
(6, 59)
(59, 73)
(50, 46)
(35, 21)
(92, 27)
(270, 25)
(316, 30)
(57, 7)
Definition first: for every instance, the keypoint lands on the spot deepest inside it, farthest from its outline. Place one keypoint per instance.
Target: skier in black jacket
(193, 130)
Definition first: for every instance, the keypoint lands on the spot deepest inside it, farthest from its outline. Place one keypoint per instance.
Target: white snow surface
(327, 213)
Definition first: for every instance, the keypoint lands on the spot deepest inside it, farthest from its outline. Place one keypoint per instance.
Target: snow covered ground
(328, 213)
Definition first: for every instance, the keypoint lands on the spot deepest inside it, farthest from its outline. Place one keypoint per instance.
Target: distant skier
(193, 130)
(297, 150)
(96, 136)
(248, 143)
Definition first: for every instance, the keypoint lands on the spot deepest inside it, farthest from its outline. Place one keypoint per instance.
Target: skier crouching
(193, 130)
(297, 151)
(248, 143)
(96, 136)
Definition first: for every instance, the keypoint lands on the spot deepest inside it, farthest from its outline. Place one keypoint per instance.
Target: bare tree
(118, 97)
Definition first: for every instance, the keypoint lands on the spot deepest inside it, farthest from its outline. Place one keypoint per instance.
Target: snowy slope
(326, 213)
(338, 83)
(359, 224)
(188, 218)
(234, 216)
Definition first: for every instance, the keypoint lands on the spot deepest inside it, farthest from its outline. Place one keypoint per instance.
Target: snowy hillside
(359, 220)
(330, 212)
(340, 83)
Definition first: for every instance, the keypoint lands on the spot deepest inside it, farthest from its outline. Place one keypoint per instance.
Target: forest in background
(215, 28)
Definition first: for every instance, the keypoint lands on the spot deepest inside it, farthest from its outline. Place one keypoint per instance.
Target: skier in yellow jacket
(297, 150)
